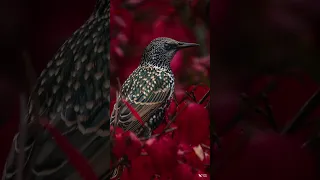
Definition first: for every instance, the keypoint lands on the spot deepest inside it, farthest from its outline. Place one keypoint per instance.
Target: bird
(149, 88)
(73, 93)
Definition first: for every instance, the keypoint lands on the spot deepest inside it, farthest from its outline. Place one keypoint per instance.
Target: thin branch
(22, 137)
(245, 98)
(172, 120)
(309, 106)
(34, 127)
(115, 166)
(118, 99)
(204, 97)
(315, 135)
(190, 95)
(270, 115)
(175, 99)
(30, 71)
(205, 146)
(157, 135)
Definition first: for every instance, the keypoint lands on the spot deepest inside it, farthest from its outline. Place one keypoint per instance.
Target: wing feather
(145, 94)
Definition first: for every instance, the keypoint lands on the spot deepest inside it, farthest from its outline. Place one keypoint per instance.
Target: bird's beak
(186, 45)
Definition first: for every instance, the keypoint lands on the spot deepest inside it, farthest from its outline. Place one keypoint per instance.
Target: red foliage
(141, 168)
(183, 172)
(267, 156)
(126, 143)
(163, 153)
(252, 149)
(193, 123)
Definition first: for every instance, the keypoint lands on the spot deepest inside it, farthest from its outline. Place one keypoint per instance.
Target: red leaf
(119, 145)
(199, 91)
(180, 95)
(163, 153)
(134, 112)
(171, 109)
(193, 124)
(141, 168)
(183, 172)
(126, 143)
(134, 146)
(75, 157)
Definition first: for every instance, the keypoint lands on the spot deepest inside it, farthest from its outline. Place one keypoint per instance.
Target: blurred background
(31, 30)
(265, 59)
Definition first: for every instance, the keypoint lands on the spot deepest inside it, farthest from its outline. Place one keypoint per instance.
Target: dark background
(36, 28)
(256, 46)
(271, 48)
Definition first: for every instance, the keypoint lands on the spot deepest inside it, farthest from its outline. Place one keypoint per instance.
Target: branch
(157, 135)
(270, 115)
(22, 137)
(115, 166)
(204, 97)
(172, 121)
(245, 98)
(308, 107)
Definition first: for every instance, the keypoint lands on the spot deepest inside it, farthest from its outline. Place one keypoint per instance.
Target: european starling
(73, 93)
(149, 88)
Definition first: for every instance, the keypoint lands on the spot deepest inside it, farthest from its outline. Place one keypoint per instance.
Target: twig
(157, 135)
(115, 166)
(204, 97)
(22, 137)
(205, 146)
(172, 120)
(188, 95)
(305, 144)
(257, 109)
(34, 127)
(116, 114)
(309, 106)
(315, 135)
(191, 95)
(119, 84)
(116, 108)
(215, 140)
(270, 116)
(175, 99)
(30, 72)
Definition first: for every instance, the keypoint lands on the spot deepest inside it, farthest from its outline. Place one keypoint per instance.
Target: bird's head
(161, 51)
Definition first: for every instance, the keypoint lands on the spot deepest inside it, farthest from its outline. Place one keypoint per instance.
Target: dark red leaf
(193, 124)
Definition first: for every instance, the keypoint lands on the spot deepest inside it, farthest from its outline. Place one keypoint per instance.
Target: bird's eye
(168, 46)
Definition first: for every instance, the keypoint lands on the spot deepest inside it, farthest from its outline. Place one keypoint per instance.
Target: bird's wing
(74, 92)
(145, 90)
